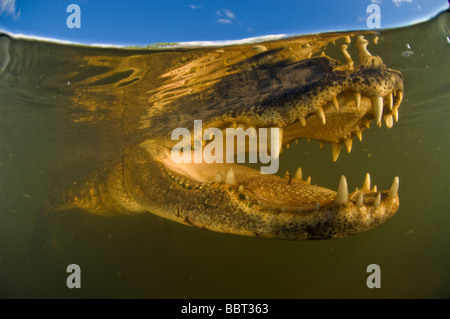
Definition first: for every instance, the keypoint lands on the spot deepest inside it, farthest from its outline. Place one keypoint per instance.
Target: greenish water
(45, 87)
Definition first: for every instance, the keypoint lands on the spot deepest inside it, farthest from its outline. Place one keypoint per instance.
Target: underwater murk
(72, 116)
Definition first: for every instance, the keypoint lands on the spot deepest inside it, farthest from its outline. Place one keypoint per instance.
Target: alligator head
(292, 86)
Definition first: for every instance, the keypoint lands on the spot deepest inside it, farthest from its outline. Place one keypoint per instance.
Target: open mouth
(332, 111)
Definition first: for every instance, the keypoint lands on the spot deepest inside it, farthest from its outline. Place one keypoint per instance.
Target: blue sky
(140, 22)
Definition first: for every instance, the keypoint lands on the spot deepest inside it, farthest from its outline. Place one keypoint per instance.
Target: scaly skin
(298, 97)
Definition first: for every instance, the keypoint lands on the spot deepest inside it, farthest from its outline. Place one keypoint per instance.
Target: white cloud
(399, 2)
(226, 16)
(224, 21)
(376, 1)
(193, 6)
(8, 7)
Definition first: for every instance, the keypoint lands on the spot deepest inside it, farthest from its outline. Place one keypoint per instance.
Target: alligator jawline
(293, 193)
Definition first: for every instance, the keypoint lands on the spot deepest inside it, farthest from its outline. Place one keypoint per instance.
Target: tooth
(374, 189)
(400, 97)
(296, 140)
(359, 201)
(377, 102)
(348, 144)
(229, 178)
(394, 188)
(335, 103)
(335, 150)
(390, 101)
(302, 121)
(278, 146)
(395, 113)
(298, 173)
(362, 43)
(287, 145)
(388, 119)
(347, 56)
(241, 188)
(366, 185)
(375, 40)
(347, 39)
(308, 180)
(219, 178)
(321, 115)
(377, 201)
(342, 193)
(357, 97)
(321, 144)
(367, 124)
(234, 125)
(359, 134)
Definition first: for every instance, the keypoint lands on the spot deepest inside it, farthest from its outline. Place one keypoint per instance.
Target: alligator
(290, 84)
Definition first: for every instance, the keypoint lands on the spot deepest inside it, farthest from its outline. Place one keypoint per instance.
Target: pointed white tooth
(366, 184)
(359, 135)
(377, 201)
(360, 200)
(390, 101)
(219, 178)
(389, 120)
(342, 193)
(394, 188)
(241, 188)
(377, 103)
(308, 180)
(321, 115)
(395, 113)
(234, 125)
(335, 150)
(298, 173)
(335, 103)
(348, 144)
(303, 121)
(321, 144)
(375, 188)
(357, 97)
(230, 178)
(367, 124)
(277, 146)
(400, 97)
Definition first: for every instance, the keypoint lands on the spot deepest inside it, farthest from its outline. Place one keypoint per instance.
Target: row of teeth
(342, 195)
(377, 103)
(378, 107)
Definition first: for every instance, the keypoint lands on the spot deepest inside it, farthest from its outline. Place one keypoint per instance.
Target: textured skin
(261, 94)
